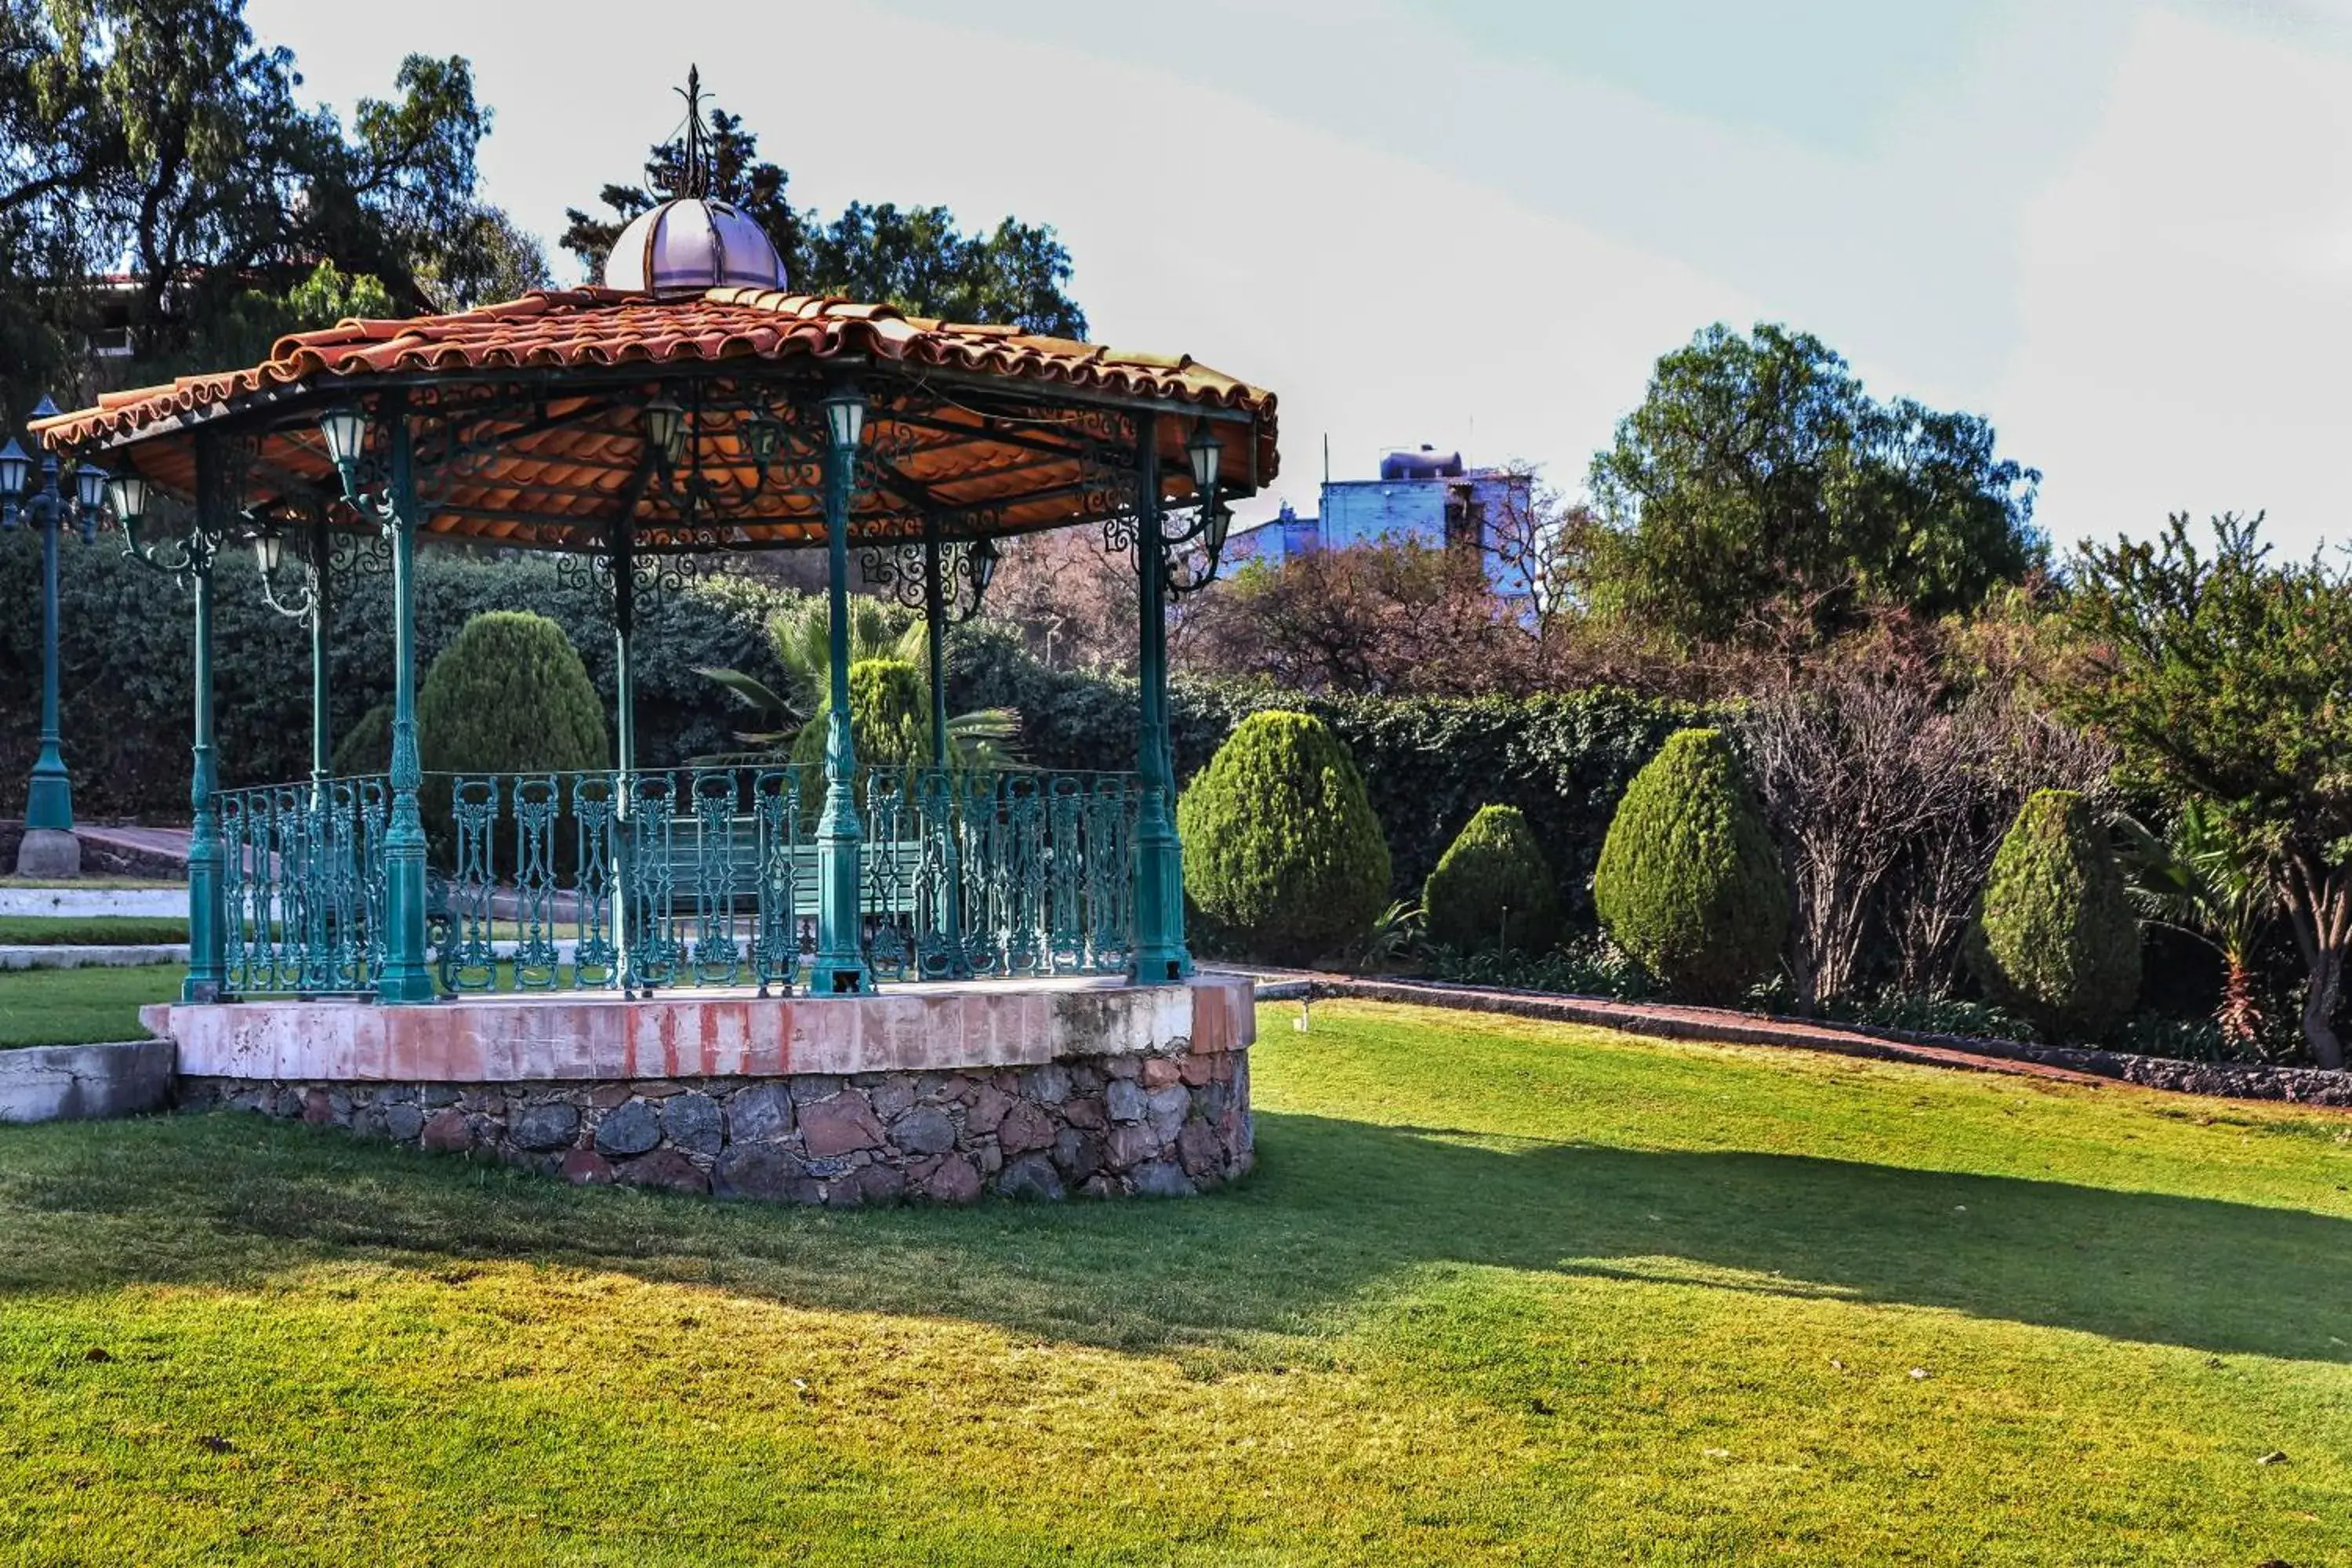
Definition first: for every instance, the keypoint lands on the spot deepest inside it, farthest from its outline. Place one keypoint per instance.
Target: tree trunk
(2240, 1018)
(2319, 1010)
(2319, 908)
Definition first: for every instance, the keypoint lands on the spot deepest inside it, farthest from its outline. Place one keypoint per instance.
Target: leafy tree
(1281, 846)
(2055, 938)
(245, 330)
(159, 137)
(2223, 676)
(1757, 473)
(1492, 886)
(1688, 882)
(913, 258)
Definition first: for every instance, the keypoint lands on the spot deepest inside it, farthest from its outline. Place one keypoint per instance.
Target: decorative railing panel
(303, 874)
(706, 877)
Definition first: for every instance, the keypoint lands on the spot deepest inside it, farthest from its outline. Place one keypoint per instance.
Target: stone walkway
(167, 843)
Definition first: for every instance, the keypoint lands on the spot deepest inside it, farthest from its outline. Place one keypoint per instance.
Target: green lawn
(1499, 1291)
(76, 1006)
(61, 931)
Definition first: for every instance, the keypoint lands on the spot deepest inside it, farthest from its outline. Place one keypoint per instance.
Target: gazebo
(692, 408)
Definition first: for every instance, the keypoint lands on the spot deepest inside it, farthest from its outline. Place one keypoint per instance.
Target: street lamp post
(49, 848)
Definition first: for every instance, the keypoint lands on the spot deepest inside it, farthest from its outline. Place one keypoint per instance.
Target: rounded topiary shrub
(366, 747)
(2054, 937)
(1688, 883)
(1281, 847)
(1492, 887)
(509, 695)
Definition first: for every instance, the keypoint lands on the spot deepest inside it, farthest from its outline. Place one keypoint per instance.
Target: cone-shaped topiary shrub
(1493, 889)
(1281, 847)
(366, 747)
(509, 695)
(1688, 882)
(2055, 938)
(888, 719)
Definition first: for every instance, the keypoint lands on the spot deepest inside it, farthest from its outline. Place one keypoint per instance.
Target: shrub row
(126, 680)
(1429, 765)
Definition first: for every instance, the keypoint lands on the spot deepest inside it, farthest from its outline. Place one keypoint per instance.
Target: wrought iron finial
(696, 175)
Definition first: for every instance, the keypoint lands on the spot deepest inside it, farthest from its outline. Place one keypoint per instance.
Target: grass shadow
(1339, 1208)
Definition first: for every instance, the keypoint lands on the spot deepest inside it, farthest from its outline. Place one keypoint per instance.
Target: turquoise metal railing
(560, 881)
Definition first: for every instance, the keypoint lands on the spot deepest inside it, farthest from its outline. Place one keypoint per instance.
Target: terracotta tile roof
(991, 422)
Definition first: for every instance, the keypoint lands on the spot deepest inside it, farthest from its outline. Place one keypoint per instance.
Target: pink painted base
(545, 1038)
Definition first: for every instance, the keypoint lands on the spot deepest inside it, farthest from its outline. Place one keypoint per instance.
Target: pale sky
(2120, 229)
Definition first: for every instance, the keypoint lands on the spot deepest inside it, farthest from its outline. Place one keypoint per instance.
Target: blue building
(1422, 495)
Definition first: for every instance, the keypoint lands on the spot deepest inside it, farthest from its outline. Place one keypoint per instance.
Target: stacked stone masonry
(771, 1103)
(1153, 1126)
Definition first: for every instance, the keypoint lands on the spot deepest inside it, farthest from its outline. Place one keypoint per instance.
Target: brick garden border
(2226, 1081)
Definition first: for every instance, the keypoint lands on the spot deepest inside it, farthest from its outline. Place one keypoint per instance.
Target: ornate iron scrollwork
(653, 575)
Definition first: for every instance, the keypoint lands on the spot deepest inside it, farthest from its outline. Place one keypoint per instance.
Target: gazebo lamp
(666, 430)
(1203, 450)
(845, 413)
(984, 557)
(126, 495)
(268, 548)
(345, 428)
(761, 435)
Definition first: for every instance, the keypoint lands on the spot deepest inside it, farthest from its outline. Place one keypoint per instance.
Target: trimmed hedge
(1689, 883)
(1281, 848)
(1493, 889)
(127, 683)
(2055, 938)
(1428, 763)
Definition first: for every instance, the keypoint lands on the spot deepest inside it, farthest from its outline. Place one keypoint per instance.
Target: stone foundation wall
(1160, 1125)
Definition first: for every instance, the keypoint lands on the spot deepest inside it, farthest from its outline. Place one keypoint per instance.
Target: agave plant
(2206, 880)
(983, 738)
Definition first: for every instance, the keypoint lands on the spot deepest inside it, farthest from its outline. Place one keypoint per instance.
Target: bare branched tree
(2000, 750)
(1842, 764)
(1889, 800)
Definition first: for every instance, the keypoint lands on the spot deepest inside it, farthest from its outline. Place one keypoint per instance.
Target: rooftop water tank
(1419, 463)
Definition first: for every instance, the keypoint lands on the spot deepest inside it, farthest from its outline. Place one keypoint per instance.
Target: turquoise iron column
(404, 977)
(208, 978)
(1160, 953)
(839, 965)
(621, 561)
(322, 736)
(942, 810)
(48, 795)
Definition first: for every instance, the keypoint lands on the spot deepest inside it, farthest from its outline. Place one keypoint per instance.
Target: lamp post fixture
(839, 966)
(1203, 537)
(49, 848)
(385, 496)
